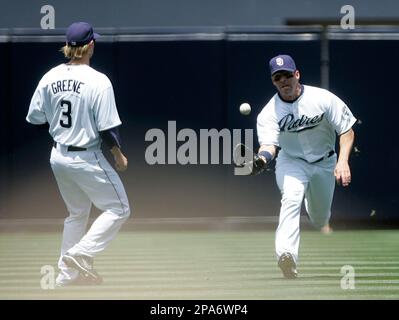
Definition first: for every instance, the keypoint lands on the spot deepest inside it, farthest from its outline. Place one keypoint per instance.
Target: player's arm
(342, 170)
(120, 159)
(36, 113)
(342, 120)
(263, 158)
(267, 153)
(268, 132)
(107, 120)
(112, 139)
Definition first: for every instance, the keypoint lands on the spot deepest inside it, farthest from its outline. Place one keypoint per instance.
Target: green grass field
(209, 265)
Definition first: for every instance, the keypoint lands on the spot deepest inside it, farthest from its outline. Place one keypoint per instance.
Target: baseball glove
(244, 157)
(258, 165)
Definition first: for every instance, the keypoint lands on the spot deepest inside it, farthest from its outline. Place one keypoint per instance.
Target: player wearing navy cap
(300, 123)
(79, 105)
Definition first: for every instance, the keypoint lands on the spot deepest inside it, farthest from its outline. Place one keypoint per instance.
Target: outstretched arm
(261, 160)
(342, 170)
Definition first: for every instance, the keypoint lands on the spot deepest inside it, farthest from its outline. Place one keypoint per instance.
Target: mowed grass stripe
(156, 285)
(228, 262)
(126, 270)
(177, 293)
(178, 269)
(216, 265)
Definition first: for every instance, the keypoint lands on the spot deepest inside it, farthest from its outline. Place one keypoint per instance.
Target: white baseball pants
(298, 180)
(83, 178)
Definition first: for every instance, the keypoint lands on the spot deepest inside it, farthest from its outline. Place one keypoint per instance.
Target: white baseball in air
(245, 108)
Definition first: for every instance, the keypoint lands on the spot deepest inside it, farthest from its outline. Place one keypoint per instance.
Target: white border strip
(363, 36)
(118, 38)
(168, 37)
(207, 37)
(4, 38)
(273, 37)
(39, 39)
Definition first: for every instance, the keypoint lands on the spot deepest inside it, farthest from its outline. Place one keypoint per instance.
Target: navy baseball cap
(80, 33)
(282, 62)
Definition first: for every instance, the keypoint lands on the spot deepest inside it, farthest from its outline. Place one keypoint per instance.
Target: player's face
(286, 83)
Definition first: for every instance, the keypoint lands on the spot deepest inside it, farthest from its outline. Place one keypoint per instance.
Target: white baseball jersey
(77, 102)
(307, 127)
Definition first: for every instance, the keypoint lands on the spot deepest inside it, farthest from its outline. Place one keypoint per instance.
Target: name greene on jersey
(66, 85)
(288, 122)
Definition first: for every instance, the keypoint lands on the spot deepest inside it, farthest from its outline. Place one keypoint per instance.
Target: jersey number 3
(67, 121)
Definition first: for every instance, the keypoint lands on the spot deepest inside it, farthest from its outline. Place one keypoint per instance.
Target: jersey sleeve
(111, 137)
(267, 127)
(36, 113)
(340, 116)
(105, 111)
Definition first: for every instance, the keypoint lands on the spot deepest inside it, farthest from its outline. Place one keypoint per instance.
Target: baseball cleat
(288, 266)
(84, 264)
(81, 280)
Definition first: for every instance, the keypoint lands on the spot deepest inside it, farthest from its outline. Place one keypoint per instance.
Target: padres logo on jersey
(288, 122)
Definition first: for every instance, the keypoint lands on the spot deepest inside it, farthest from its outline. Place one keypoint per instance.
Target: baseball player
(300, 123)
(78, 103)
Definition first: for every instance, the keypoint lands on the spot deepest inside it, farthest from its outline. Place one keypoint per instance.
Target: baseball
(245, 109)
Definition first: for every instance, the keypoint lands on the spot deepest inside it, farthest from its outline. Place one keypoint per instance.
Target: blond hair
(74, 52)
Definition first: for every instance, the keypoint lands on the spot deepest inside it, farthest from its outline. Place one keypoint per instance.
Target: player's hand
(120, 159)
(121, 163)
(258, 165)
(342, 173)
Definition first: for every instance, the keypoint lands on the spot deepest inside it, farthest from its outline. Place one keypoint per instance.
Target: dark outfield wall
(200, 84)
(172, 13)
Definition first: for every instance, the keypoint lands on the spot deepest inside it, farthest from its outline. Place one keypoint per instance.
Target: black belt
(325, 157)
(71, 148)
